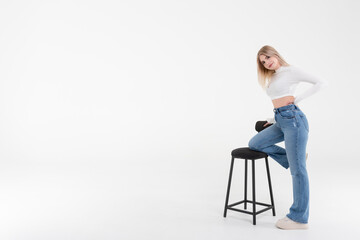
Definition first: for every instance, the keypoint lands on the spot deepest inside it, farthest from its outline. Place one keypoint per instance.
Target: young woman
(289, 124)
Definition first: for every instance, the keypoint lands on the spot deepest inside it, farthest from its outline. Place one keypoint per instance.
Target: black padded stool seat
(247, 153)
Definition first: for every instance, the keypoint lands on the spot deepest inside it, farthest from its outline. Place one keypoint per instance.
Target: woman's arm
(271, 120)
(302, 76)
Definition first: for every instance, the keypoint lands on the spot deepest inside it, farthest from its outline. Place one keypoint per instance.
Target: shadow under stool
(248, 154)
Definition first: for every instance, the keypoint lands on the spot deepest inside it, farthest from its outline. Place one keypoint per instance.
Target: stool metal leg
(228, 188)
(245, 192)
(253, 191)
(270, 188)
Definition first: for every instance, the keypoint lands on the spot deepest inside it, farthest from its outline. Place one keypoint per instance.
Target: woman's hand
(267, 124)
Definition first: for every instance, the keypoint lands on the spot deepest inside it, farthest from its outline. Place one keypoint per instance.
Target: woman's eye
(267, 56)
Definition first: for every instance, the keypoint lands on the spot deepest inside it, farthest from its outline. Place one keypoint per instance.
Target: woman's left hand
(267, 124)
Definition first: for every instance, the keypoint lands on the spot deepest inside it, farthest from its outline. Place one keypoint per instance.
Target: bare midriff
(283, 101)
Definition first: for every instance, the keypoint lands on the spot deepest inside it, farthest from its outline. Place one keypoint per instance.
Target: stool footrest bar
(249, 201)
(230, 207)
(248, 212)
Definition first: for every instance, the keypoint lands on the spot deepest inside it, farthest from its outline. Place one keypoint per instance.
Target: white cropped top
(285, 81)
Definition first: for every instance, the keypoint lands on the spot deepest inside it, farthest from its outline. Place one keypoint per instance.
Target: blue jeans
(292, 126)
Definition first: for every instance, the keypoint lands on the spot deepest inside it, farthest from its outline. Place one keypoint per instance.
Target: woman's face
(268, 62)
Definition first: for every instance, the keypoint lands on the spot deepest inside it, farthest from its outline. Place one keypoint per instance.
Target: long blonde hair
(264, 74)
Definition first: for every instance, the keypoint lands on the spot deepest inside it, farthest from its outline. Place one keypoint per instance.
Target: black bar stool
(248, 154)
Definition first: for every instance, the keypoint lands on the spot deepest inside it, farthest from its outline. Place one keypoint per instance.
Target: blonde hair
(264, 74)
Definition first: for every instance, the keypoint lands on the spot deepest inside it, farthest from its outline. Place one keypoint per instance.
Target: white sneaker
(288, 224)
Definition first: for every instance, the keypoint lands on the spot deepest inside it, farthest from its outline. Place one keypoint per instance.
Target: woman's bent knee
(253, 145)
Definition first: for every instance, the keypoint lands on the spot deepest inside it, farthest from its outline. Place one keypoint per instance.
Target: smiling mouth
(270, 65)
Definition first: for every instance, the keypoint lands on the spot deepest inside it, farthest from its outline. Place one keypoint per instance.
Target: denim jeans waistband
(286, 107)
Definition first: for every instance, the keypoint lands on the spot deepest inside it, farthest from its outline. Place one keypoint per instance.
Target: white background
(117, 118)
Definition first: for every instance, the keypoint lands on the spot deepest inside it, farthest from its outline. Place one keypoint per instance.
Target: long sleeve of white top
(271, 120)
(303, 76)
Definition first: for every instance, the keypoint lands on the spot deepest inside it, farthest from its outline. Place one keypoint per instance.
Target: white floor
(108, 201)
